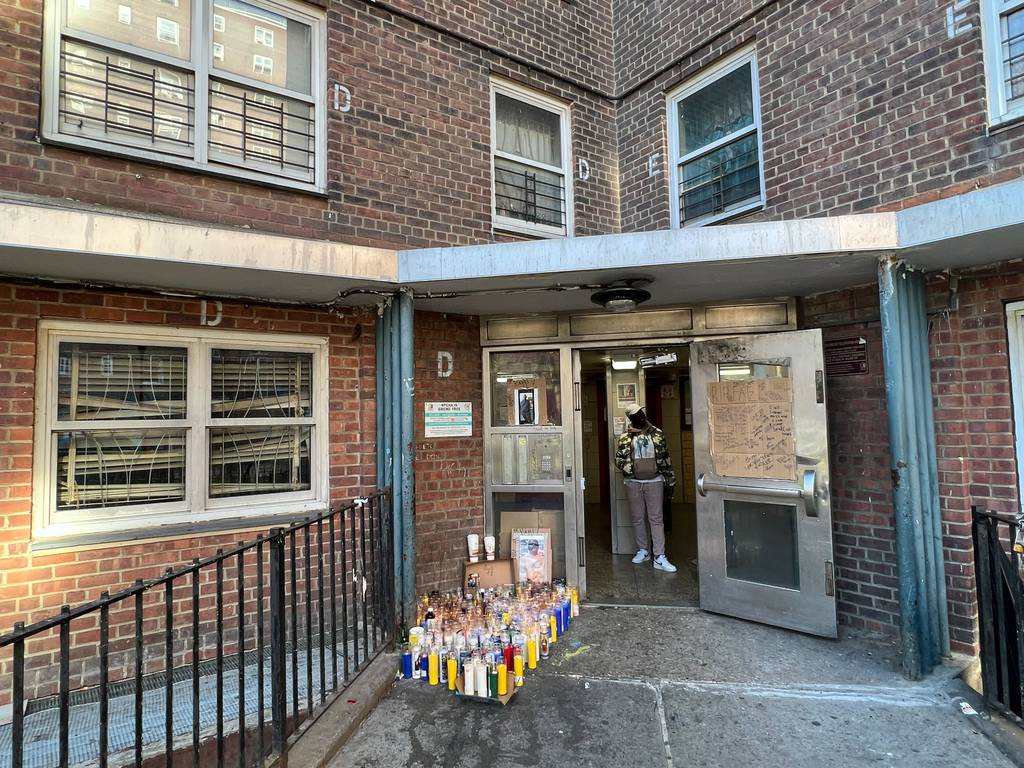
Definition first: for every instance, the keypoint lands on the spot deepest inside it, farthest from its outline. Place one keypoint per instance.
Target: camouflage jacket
(624, 453)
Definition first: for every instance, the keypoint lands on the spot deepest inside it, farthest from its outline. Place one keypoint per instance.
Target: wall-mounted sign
(447, 420)
(846, 357)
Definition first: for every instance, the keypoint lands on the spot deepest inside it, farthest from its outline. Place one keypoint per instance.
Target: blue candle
(407, 664)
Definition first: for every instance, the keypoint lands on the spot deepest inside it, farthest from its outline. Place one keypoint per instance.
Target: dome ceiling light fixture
(623, 296)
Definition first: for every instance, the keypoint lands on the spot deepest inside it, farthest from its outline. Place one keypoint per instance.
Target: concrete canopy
(91, 246)
(687, 266)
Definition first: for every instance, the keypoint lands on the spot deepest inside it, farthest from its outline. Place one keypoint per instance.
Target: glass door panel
(528, 440)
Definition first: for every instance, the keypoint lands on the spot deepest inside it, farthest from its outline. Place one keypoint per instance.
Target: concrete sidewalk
(678, 687)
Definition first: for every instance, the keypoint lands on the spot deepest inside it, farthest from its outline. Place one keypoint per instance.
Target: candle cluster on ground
(486, 640)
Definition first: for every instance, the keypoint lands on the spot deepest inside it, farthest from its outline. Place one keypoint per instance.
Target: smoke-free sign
(448, 420)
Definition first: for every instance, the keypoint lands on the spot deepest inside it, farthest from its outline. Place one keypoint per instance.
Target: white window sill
(718, 218)
(1005, 122)
(84, 144)
(261, 521)
(516, 227)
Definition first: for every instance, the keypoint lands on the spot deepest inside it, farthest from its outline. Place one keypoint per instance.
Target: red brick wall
(409, 165)
(974, 439)
(449, 471)
(34, 585)
(865, 106)
(867, 587)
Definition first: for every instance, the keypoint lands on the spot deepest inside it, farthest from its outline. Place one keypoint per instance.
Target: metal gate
(1000, 609)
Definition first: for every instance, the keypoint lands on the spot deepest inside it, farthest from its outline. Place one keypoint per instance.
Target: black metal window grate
(125, 99)
(531, 195)
(250, 127)
(720, 180)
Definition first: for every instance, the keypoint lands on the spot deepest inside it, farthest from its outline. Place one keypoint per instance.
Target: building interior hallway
(663, 390)
(614, 580)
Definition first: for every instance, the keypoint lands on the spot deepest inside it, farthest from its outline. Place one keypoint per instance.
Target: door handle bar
(807, 491)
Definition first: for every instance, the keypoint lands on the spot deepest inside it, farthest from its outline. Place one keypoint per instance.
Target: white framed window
(80, 48)
(1003, 32)
(167, 31)
(142, 428)
(1015, 339)
(714, 133)
(531, 157)
(262, 65)
(124, 14)
(264, 37)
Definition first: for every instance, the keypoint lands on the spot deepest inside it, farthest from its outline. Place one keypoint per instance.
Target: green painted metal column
(924, 621)
(396, 440)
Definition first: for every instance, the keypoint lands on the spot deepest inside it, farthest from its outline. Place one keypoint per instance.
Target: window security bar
(519, 194)
(146, 670)
(727, 181)
(253, 123)
(128, 93)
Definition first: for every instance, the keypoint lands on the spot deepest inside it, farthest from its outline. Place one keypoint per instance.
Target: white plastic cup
(473, 542)
(489, 547)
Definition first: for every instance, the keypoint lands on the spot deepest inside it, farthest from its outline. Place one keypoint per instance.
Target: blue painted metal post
(923, 612)
(407, 454)
(397, 502)
(385, 437)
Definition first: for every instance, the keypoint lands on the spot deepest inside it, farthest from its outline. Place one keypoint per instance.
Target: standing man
(643, 459)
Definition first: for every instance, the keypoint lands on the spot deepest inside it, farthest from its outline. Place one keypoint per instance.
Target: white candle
(469, 678)
(481, 679)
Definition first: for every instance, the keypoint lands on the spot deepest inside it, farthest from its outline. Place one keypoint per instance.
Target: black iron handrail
(303, 576)
(1000, 594)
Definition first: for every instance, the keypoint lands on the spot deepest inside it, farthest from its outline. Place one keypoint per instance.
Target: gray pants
(645, 500)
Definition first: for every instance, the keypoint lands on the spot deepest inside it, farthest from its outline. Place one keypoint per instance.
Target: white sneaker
(661, 563)
(642, 556)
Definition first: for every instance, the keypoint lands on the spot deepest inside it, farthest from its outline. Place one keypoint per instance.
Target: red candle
(510, 655)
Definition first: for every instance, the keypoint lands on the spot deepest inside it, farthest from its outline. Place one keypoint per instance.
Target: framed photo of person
(527, 402)
(526, 407)
(531, 552)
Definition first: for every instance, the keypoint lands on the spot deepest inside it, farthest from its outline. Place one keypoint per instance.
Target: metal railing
(1000, 609)
(144, 675)
(730, 177)
(520, 194)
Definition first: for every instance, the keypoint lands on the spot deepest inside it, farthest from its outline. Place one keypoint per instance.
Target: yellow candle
(554, 629)
(453, 672)
(575, 602)
(432, 668)
(502, 680)
(531, 653)
(518, 669)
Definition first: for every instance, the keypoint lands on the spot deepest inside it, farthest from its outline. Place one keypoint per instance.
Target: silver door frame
(812, 608)
(567, 430)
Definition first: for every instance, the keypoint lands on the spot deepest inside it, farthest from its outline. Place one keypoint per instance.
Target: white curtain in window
(528, 131)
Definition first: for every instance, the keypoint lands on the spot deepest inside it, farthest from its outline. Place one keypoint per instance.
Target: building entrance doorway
(657, 378)
(744, 416)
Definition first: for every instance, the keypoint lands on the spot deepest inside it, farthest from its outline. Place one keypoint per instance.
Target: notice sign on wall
(751, 424)
(447, 420)
(846, 357)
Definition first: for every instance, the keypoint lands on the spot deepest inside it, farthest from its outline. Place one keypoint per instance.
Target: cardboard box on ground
(533, 519)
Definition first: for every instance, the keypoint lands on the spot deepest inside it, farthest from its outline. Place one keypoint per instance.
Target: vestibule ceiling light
(623, 363)
(622, 297)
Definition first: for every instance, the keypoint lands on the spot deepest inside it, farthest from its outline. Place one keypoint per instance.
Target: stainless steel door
(764, 522)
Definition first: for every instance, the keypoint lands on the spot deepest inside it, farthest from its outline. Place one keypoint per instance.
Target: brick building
(174, 193)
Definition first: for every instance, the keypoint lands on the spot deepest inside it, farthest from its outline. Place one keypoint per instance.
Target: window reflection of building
(116, 95)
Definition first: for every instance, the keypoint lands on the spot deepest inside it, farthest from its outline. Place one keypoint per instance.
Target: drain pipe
(923, 612)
